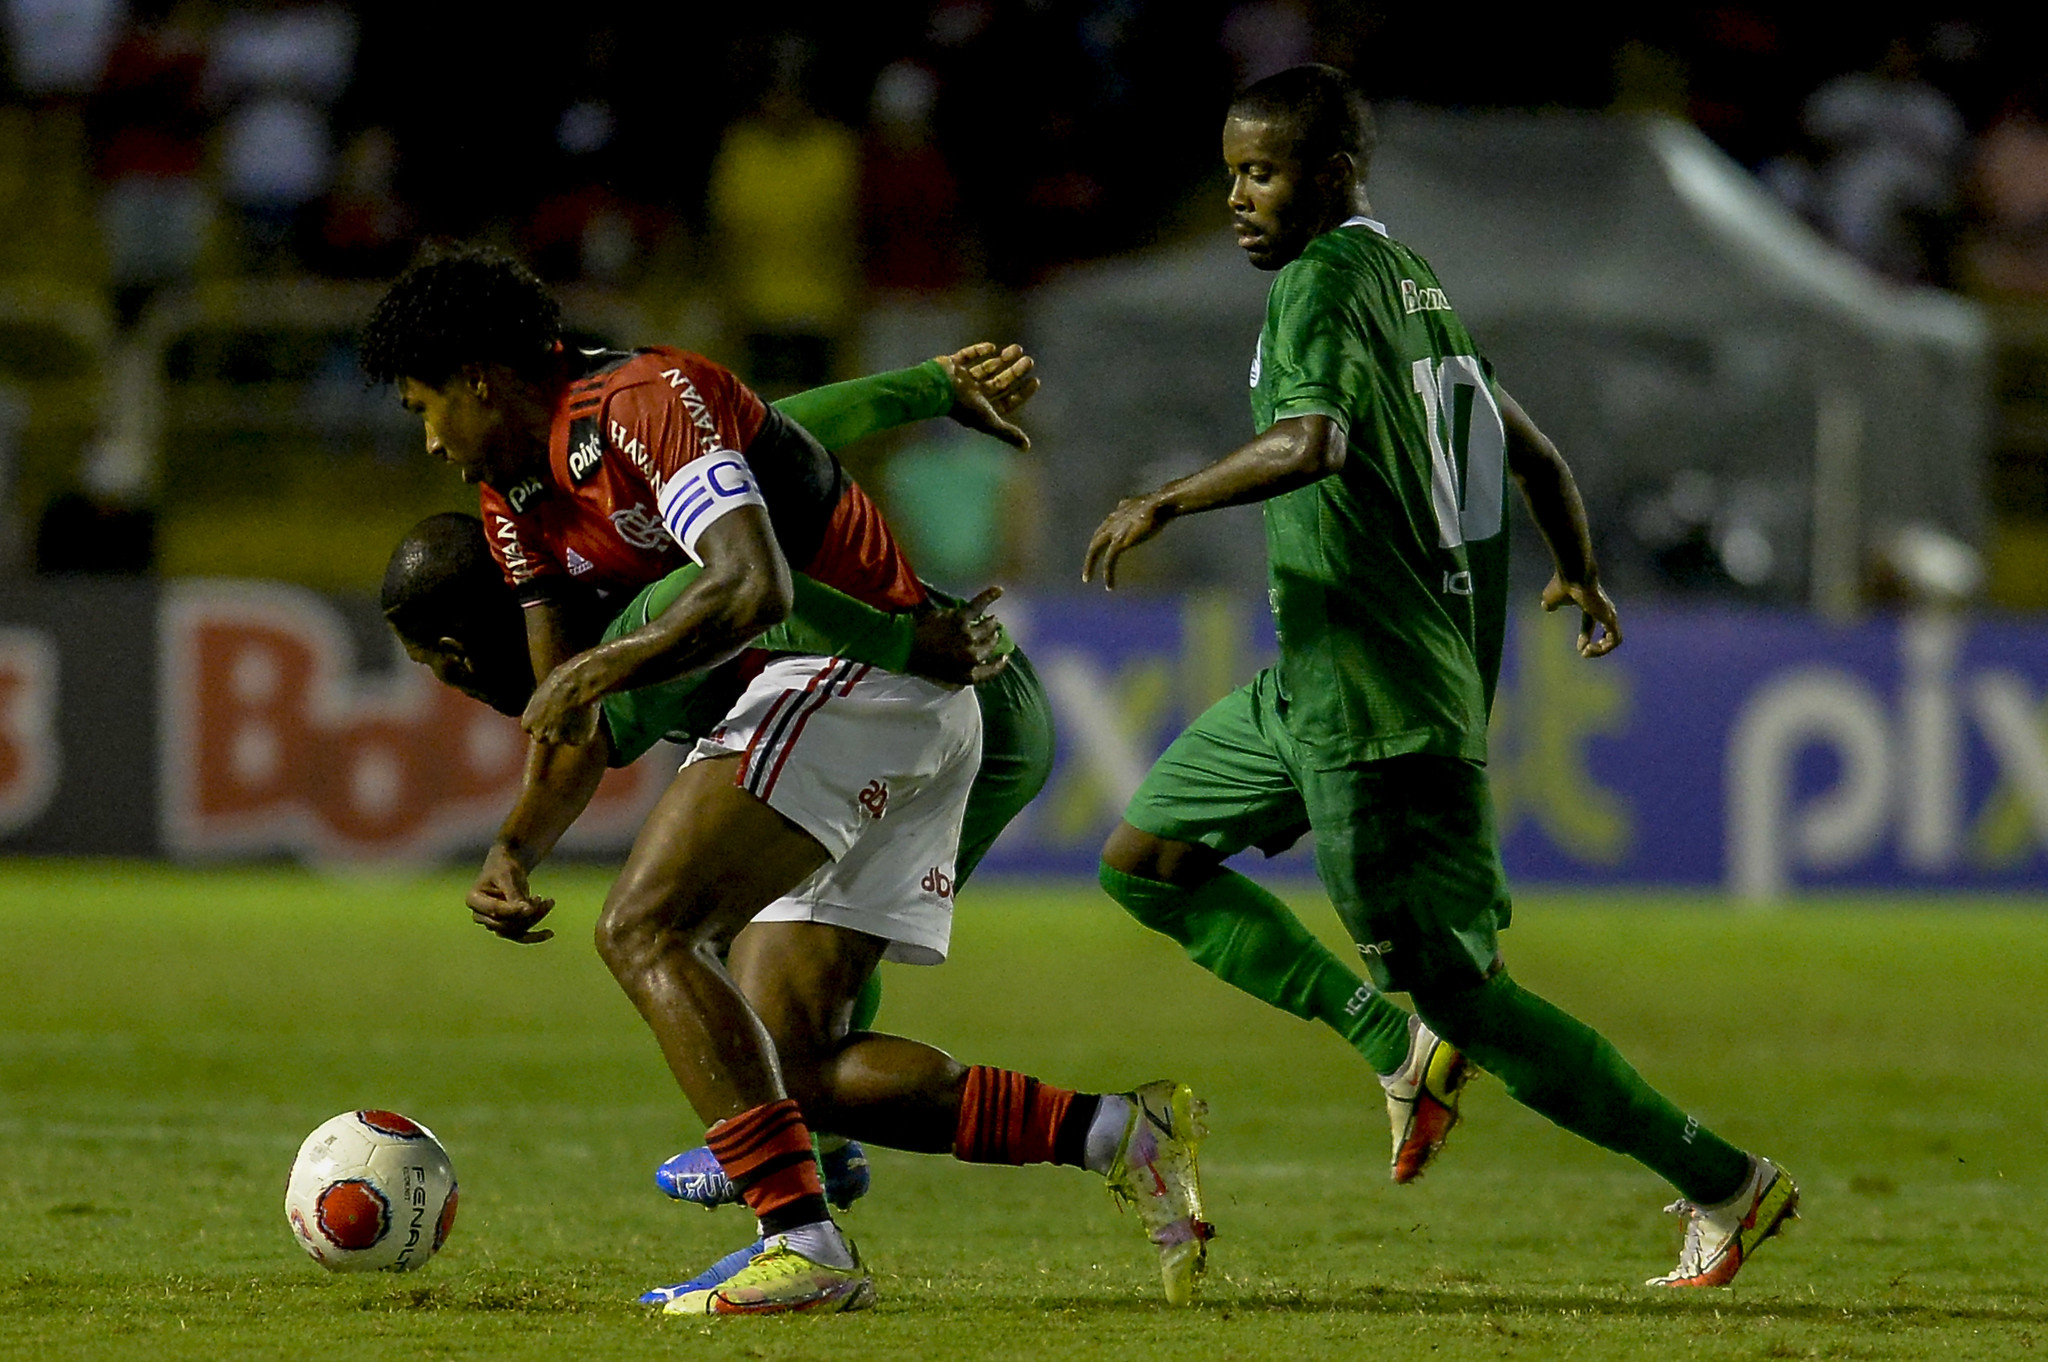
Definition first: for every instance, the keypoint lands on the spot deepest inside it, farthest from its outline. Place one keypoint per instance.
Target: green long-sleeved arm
(840, 413)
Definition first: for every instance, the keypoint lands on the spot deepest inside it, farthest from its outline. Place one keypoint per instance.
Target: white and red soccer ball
(371, 1191)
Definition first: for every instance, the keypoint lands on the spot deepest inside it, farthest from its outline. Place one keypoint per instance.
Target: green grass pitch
(167, 1037)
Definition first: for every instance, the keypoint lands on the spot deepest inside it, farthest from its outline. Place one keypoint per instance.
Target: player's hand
(1594, 609)
(564, 709)
(1134, 520)
(957, 646)
(501, 901)
(988, 385)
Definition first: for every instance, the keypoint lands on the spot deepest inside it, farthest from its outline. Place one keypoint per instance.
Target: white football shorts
(877, 767)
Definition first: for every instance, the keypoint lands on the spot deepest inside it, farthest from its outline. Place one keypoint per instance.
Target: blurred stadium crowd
(806, 192)
(923, 146)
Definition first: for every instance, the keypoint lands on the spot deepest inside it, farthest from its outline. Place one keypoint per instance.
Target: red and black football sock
(766, 1151)
(1013, 1118)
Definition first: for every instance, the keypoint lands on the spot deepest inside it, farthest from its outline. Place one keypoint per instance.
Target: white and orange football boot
(1720, 1239)
(1422, 1099)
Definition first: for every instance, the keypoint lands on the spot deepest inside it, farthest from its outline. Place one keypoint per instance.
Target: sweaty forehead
(1250, 135)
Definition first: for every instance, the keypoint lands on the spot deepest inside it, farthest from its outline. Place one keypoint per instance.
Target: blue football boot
(846, 1174)
(714, 1276)
(694, 1176)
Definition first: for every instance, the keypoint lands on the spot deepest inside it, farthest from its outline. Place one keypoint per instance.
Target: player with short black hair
(1317, 107)
(1382, 458)
(446, 600)
(602, 473)
(850, 1081)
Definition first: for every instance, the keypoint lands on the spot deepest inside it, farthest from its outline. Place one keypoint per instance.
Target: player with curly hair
(601, 473)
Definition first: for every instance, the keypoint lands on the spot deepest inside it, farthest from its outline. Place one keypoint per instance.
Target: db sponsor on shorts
(937, 881)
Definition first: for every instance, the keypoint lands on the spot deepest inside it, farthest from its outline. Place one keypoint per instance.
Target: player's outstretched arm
(981, 386)
(1292, 453)
(555, 787)
(1553, 497)
(744, 589)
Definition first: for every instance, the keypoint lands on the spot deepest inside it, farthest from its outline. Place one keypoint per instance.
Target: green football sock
(1251, 941)
(1562, 1068)
(867, 1003)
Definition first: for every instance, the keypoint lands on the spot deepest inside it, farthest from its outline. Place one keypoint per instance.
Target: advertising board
(1759, 751)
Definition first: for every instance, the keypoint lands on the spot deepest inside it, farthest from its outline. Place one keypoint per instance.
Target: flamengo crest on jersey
(703, 491)
(637, 527)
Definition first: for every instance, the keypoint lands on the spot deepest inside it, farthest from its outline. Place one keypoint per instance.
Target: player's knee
(620, 937)
(1130, 852)
(632, 930)
(805, 1080)
(1151, 902)
(1147, 856)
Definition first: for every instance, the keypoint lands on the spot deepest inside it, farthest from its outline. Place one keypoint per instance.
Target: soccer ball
(371, 1190)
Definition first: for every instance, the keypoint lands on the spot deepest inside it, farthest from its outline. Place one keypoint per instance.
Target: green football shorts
(1405, 846)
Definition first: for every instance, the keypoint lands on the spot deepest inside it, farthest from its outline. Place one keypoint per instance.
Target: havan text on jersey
(647, 451)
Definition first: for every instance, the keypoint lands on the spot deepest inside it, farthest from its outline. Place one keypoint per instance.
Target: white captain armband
(703, 491)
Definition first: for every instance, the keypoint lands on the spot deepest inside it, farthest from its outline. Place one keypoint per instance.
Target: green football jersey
(1388, 580)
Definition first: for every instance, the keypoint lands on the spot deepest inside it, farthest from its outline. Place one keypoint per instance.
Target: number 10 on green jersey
(1467, 444)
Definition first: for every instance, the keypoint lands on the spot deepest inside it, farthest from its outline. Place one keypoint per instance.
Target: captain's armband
(705, 489)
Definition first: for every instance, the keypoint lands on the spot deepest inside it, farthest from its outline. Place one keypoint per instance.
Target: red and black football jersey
(650, 448)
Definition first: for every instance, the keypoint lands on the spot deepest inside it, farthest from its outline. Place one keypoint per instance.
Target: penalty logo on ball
(352, 1214)
(371, 1191)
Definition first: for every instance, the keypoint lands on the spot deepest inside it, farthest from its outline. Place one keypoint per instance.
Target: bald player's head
(445, 598)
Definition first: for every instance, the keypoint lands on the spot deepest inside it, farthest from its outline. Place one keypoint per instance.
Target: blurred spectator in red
(592, 221)
(277, 70)
(1742, 87)
(587, 229)
(919, 251)
(782, 203)
(365, 229)
(911, 232)
(2008, 250)
(1886, 184)
(149, 130)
